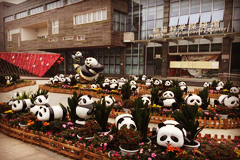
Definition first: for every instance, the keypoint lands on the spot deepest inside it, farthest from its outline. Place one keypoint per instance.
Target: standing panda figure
(146, 99)
(21, 105)
(106, 84)
(121, 82)
(148, 83)
(171, 133)
(90, 70)
(193, 99)
(168, 84)
(114, 84)
(220, 86)
(183, 86)
(133, 85)
(85, 109)
(206, 84)
(157, 82)
(39, 102)
(168, 100)
(109, 100)
(144, 77)
(50, 113)
(125, 120)
(228, 101)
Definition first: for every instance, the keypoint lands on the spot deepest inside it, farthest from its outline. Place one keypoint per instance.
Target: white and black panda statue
(146, 99)
(220, 86)
(168, 84)
(125, 120)
(85, 108)
(183, 86)
(228, 101)
(135, 78)
(148, 83)
(133, 85)
(113, 84)
(171, 133)
(168, 100)
(78, 55)
(94, 86)
(106, 84)
(144, 77)
(109, 100)
(15, 96)
(157, 82)
(121, 82)
(21, 105)
(39, 101)
(49, 113)
(234, 90)
(206, 84)
(90, 70)
(193, 99)
(9, 79)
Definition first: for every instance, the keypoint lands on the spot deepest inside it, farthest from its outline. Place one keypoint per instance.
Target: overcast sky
(13, 1)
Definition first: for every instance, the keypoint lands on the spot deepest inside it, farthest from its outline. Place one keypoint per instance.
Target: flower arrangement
(129, 138)
(220, 109)
(4, 107)
(211, 113)
(89, 129)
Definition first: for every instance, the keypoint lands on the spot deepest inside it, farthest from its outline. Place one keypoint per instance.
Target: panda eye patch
(84, 100)
(40, 114)
(39, 100)
(175, 139)
(45, 110)
(15, 105)
(163, 138)
(192, 101)
(198, 101)
(232, 102)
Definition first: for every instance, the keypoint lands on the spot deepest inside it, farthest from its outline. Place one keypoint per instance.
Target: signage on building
(192, 29)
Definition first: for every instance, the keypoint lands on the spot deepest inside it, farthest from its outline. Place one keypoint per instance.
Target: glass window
(174, 10)
(128, 69)
(204, 48)
(182, 48)
(217, 15)
(183, 20)
(89, 17)
(160, 2)
(194, 18)
(85, 16)
(117, 69)
(195, 6)
(106, 68)
(236, 13)
(150, 25)
(128, 60)
(205, 17)
(55, 27)
(159, 12)
(172, 49)
(219, 4)
(193, 48)
(151, 13)
(236, 3)
(135, 70)
(206, 5)
(173, 21)
(117, 60)
(104, 14)
(216, 47)
(159, 23)
(94, 16)
(112, 69)
(236, 26)
(112, 60)
(184, 7)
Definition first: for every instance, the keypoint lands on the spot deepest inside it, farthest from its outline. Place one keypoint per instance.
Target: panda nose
(168, 141)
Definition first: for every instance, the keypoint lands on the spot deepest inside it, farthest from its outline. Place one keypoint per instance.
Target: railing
(208, 123)
(235, 78)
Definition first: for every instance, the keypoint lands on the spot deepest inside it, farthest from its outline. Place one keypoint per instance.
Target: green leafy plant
(187, 117)
(73, 102)
(214, 83)
(228, 85)
(154, 95)
(141, 116)
(73, 81)
(129, 138)
(178, 94)
(205, 99)
(39, 92)
(126, 91)
(101, 113)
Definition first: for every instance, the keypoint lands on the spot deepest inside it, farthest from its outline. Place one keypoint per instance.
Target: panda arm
(98, 68)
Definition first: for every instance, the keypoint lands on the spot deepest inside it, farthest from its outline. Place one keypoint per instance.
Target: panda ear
(161, 125)
(120, 120)
(110, 97)
(46, 96)
(179, 126)
(103, 97)
(190, 95)
(90, 96)
(149, 97)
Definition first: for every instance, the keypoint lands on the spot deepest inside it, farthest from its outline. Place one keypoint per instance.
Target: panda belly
(82, 112)
(168, 102)
(58, 112)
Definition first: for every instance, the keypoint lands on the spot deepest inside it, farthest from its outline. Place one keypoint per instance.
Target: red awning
(35, 63)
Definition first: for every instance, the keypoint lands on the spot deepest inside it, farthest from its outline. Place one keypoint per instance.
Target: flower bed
(18, 85)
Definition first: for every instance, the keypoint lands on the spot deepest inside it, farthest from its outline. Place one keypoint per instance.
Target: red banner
(36, 63)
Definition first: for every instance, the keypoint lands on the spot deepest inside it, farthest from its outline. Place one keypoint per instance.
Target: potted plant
(126, 91)
(141, 116)
(187, 117)
(129, 140)
(101, 113)
(89, 129)
(205, 99)
(178, 94)
(223, 111)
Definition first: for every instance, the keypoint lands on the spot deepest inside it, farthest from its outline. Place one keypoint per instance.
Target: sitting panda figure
(157, 82)
(15, 96)
(146, 99)
(39, 101)
(106, 84)
(85, 108)
(94, 86)
(125, 120)
(168, 100)
(228, 101)
(193, 99)
(234, 90)
(109, 100)
(171, 133)
(148, 83)
(133, 85)
(183, 86)
(78, 55)
(50, 113)
(168, 84)
(9, 79)
(220, 86)
(90, 70)
(206, 84)
(135, 78)
(113, 84)
(144, 77)
(121, 82)
(21, 105)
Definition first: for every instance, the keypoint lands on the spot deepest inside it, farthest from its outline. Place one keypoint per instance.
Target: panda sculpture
(121, 82)
(133, 85)
(77, 77)
(157, 82)
(220, 86)
(15, 96)
(106, 84)
(94, 86)
(144, 77)
(234, 90)
(168, 84)
(21, 105)
(146, 99)
(39, 102)
(183, 86)
(171, 133)
(228, 101)
(9, 79)
(168, 100)
(206, 84)
(135, 78)
(49, 113)
(109, 100)
(85, 108)
(148, 83)
(193, 99)
(78, 55)
(125, 120)
(90, 70)
(113, 84)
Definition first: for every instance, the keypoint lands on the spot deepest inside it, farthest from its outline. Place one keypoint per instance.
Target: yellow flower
(154, 105)
(225, 90)
(9, 111)
(114, 91)
(237, 151)
(159, 106)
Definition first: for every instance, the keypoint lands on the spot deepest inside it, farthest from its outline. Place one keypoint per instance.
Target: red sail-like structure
(35, 63)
